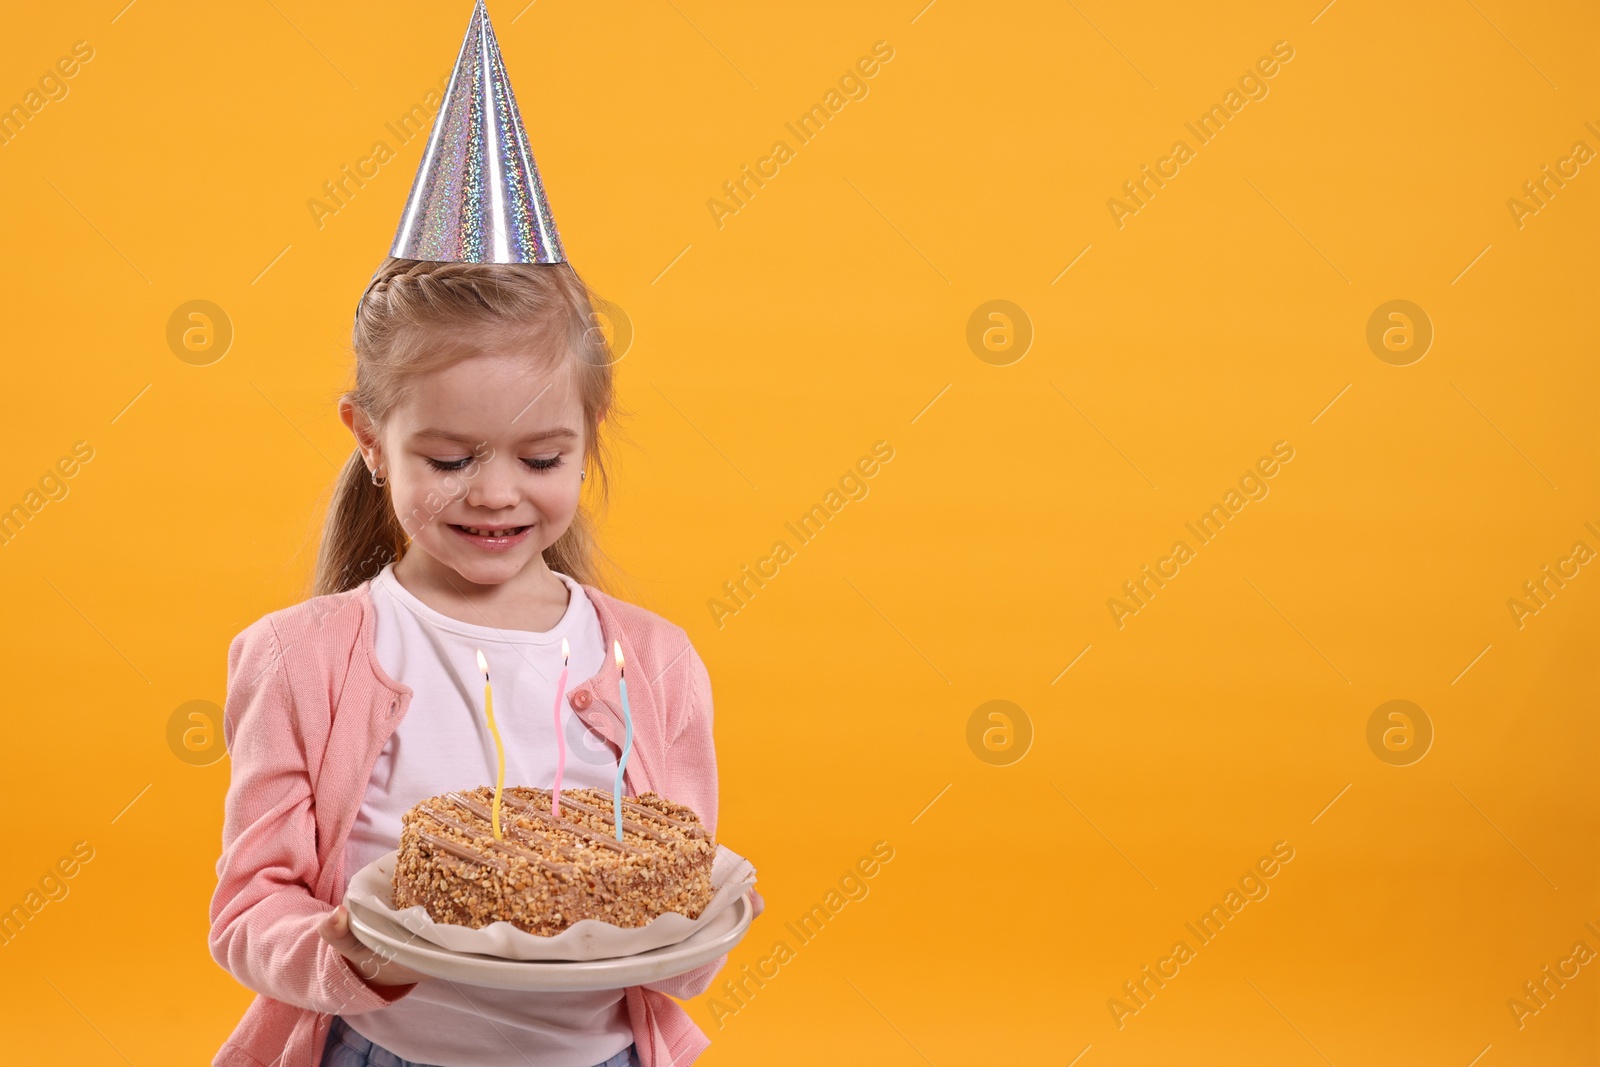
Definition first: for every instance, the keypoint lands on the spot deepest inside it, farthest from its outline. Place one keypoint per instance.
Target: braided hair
(417, 316)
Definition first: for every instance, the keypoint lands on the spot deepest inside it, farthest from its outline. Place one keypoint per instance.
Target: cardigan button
(580, 699)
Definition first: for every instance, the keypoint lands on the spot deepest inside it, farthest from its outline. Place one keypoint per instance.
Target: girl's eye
(458, 464)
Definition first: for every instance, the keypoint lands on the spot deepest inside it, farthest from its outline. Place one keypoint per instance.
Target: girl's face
(483, 464)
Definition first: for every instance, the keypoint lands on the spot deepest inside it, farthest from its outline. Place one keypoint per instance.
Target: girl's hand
(760, 904)
(376, 969)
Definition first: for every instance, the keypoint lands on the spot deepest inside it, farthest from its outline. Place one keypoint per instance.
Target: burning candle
(627, 743)
(561, 738)
(499, 748)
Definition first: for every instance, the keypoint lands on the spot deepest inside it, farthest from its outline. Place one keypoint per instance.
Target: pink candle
(561, 737)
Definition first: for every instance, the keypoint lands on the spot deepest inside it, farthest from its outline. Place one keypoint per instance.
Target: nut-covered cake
(547, 873)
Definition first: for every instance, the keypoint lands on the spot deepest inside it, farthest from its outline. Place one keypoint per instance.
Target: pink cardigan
(308, 711)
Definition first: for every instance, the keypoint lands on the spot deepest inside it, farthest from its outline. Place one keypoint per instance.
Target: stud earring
(582, 475)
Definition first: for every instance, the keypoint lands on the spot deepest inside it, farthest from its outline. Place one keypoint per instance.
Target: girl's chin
(482, 572)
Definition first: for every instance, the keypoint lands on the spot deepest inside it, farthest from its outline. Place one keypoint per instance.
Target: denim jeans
(346, 1048)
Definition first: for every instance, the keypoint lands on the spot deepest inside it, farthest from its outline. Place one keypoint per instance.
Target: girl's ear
(358, 423)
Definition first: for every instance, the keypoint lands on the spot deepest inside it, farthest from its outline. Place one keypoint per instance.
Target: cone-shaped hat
(477, 197)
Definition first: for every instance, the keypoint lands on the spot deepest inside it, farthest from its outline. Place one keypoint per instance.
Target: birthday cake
(548, 872)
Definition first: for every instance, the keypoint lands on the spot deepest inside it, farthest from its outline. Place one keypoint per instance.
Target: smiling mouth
(480, 531)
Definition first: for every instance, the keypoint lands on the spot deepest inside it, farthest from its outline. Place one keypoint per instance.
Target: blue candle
(627, 741)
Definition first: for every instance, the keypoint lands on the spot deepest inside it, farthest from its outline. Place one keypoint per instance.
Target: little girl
(456, 526)
(480, 395)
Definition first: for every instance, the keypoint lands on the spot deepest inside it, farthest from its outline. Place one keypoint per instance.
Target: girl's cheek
(556, 498)
(561, 500)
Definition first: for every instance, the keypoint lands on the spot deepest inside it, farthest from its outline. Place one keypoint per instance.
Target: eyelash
(458, 464)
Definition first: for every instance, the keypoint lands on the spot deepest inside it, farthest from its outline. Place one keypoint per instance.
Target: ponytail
(361, 535)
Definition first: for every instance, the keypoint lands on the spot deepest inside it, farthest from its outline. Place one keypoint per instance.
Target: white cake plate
(390, 939)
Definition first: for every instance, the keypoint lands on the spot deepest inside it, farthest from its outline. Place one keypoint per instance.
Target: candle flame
(616, 648)
(483, 664)
(566, 652)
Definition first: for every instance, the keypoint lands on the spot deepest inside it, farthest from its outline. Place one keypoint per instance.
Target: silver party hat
(477, 197)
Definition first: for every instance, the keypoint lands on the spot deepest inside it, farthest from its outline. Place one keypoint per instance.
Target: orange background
(1229, 313)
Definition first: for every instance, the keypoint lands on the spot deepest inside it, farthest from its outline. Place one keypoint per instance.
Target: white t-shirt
(443, 743)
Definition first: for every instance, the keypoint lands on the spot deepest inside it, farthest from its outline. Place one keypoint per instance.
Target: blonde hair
(417, 316)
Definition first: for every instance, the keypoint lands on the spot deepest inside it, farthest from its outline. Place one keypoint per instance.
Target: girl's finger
(335, 930)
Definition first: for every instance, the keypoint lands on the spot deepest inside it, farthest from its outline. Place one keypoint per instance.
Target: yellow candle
(499, 748)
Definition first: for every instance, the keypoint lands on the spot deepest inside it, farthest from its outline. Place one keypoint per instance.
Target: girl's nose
(494, 487)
